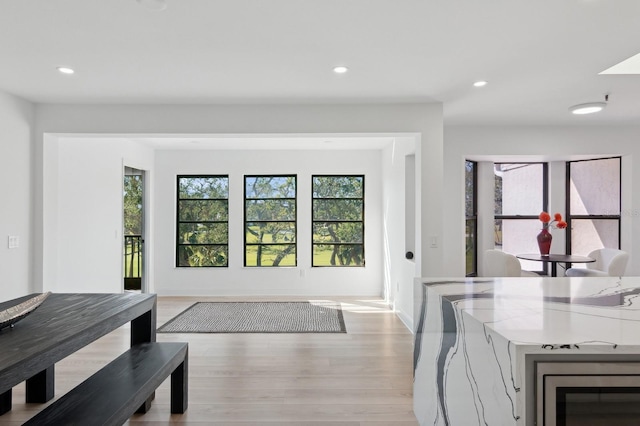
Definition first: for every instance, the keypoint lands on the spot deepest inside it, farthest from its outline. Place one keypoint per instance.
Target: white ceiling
(539, 56)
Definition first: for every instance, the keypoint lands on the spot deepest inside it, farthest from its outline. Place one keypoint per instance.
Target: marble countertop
(549, 313)
(478, 341)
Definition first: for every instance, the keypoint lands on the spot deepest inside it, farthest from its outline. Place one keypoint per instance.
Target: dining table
(61, 325)
(554, 259)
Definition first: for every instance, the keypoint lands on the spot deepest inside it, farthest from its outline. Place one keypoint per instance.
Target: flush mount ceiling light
(480, 83)
(153, 4)
(340, 69)
(588, 108)
(65, 70)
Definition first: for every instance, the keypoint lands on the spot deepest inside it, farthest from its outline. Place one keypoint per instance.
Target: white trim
(406, 319)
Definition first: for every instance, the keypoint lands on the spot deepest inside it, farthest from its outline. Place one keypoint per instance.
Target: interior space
(373, 154)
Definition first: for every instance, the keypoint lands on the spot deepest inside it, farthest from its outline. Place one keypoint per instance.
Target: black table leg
(146, 406)
(143, 330)
(40, 388)
(180, 388)
(554, 269)
(5, 402)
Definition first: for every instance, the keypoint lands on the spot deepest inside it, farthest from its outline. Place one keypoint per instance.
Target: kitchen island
(482, 345)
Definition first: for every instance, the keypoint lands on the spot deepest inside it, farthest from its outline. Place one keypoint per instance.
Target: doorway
(133, 232)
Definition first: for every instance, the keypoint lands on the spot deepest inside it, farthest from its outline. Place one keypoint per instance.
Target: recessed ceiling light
(66, 70)
(588, 108)
(154, 4)
(480, 83)
(340, 69)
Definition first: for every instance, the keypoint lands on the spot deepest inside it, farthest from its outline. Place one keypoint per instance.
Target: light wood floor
(363, 377)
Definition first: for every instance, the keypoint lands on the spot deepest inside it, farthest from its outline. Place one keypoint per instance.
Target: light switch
(434, 242)
(14, 241)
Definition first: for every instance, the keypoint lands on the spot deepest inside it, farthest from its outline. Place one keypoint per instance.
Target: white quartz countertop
(550, 313)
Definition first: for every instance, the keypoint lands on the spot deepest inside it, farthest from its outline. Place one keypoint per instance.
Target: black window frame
(473, 218)
(544, 207)
(178, 221)
(294, 221)
(570, 217)
(362, 221)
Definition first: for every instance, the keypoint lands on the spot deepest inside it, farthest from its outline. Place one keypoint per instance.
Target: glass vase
(544, 241)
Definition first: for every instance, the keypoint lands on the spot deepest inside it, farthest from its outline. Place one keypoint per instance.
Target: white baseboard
(406, 319)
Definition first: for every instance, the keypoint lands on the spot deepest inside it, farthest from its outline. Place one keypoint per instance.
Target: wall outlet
(14, 241)
(433, 242)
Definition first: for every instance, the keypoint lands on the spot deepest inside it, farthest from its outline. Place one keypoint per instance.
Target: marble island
(479, 343)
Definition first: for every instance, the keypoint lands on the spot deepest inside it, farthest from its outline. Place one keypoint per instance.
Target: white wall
(239, 280)
(423, 120)
(16, 149)
(538, 144)
(87, 190)
(398, 270)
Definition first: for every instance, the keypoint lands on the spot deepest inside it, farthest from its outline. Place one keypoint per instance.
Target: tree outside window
(133, 205)
(203, 221)
(270, 220)
(132, 215)
(338, 221)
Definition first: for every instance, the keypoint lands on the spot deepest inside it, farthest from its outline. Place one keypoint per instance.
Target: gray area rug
(258, 317)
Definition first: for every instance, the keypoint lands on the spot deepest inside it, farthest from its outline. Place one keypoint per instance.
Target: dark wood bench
(122, 387)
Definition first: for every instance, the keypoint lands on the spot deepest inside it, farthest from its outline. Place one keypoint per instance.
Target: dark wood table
(63, 324)
(554, 259)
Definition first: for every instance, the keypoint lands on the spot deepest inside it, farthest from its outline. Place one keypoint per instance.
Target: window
(270, 221)
(471, 217)
(594, 204)
(203, 221)
(338, 220)
(133, 217)
(520, 196)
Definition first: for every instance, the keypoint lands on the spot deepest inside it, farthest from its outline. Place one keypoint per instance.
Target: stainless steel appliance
(587, 393)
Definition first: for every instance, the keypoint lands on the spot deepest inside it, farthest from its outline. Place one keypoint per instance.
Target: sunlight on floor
(367, 307)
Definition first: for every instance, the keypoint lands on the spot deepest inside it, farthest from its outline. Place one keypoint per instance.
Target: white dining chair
(609, 263)
(500, 264)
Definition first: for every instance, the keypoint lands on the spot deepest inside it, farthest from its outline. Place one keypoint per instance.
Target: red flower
(545, 218)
